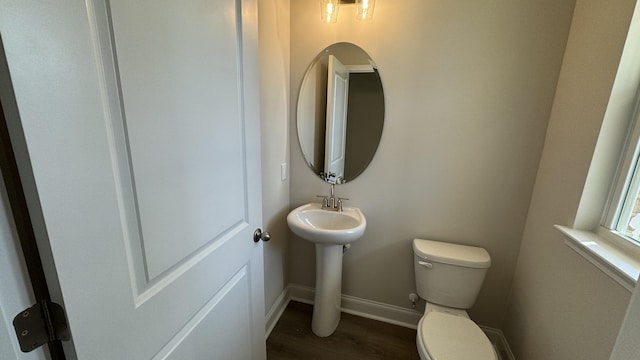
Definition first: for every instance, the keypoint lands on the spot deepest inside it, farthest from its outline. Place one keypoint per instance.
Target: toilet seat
(444, 336)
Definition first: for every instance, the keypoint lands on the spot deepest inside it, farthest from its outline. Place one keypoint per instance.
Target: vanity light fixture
(329, 9)
(364, 9)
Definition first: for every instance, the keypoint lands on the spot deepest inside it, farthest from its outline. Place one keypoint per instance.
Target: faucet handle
(339, 203)
(325, 201)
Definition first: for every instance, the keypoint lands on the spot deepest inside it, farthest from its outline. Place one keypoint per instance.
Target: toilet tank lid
(453, 254)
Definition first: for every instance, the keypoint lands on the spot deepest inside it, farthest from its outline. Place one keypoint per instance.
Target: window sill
(602, 252)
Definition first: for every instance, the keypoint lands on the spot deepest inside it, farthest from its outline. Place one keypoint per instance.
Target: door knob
(259, 235)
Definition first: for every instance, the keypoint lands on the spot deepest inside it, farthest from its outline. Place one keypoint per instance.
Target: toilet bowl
(449, 277)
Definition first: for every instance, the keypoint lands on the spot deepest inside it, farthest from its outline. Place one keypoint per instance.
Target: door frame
(19, 208)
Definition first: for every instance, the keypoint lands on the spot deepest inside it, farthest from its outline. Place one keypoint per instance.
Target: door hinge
(41, 324)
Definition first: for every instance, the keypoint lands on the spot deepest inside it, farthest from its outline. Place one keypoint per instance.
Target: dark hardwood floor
(355, 338)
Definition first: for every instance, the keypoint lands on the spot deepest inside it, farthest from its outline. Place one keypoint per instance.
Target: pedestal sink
(330, 231)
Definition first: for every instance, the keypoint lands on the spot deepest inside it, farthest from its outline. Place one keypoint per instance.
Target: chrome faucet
(332, 202)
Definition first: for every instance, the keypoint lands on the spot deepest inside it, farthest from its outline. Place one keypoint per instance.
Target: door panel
(210, 338)
(170, 91)
(140, 120)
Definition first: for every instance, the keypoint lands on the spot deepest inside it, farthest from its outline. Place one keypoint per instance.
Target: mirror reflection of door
(336, 127)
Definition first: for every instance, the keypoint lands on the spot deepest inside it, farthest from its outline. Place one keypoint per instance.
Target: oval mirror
(340, 113)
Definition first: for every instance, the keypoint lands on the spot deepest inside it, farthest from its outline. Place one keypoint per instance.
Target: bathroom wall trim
(276, 310)
(612, 258)
(499, 341)
(361, 307)
(350, 304)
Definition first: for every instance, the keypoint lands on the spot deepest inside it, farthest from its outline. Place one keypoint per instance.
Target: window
(606, 227)
(614, 247)
(623, 214)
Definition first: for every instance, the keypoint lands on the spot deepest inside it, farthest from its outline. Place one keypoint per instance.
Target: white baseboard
(362, 307)
(500, 342)
(303, 294)
(276, 310)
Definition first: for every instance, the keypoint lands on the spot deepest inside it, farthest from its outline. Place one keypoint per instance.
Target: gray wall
(365, 121)
(627, 345)
(274, 114)
(469, 87)
(562, 307)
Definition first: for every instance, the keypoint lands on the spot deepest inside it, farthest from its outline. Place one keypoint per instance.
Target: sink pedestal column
(326, 308)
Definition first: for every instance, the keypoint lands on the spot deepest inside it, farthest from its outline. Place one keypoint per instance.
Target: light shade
(329, 10)
(364, 9)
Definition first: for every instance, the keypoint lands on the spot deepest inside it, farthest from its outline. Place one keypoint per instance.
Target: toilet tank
(449, 274)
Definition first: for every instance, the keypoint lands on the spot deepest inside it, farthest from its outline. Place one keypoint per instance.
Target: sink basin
(313, 223)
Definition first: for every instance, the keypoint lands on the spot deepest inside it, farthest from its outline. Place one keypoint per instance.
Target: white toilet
(449, 277)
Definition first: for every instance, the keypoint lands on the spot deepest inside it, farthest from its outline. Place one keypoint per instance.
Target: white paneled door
(137, 135)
